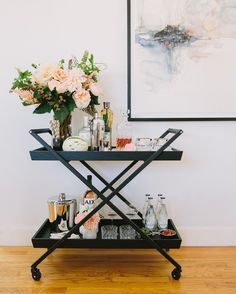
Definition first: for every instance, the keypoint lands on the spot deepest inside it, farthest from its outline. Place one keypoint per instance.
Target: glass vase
(60, 131)
(65, 128)
(89, 234)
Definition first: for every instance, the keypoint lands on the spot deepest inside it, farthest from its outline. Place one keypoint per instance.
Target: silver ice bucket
(62, 212)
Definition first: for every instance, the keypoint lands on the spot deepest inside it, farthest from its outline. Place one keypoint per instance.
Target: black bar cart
(42, 240)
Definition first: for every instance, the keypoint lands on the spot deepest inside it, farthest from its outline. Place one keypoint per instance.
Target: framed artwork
(181, 60)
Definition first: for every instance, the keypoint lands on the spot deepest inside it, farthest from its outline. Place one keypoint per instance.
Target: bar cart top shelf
(43, 154)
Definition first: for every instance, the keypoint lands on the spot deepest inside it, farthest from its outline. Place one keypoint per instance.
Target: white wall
(200, 189)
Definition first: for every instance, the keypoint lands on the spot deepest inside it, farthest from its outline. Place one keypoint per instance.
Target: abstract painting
(182, 59)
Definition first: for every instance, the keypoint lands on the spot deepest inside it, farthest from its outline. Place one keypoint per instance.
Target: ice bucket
(62, 212)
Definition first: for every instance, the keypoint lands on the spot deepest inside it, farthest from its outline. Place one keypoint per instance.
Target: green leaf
(36, 94)
(71, 104)
(85, 57)
(43, 108)
(23, 81)
(26, 104)
(61, 114)
(94, 99)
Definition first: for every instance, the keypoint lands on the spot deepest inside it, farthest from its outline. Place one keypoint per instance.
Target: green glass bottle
(107, 116)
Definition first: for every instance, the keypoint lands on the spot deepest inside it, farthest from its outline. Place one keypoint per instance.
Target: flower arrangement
(92, 223)
(60, 88)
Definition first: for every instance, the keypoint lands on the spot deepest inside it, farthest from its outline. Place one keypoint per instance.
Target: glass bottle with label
(107, 116)
(150, 220)
(84, 133)
(163, 215)
(90, 197)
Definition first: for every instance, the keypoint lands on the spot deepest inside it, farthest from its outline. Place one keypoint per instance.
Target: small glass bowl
(143, 144)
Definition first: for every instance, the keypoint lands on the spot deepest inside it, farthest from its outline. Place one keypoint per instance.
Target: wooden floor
(205, 271)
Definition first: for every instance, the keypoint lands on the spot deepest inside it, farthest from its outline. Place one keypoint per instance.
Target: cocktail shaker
(97, 133)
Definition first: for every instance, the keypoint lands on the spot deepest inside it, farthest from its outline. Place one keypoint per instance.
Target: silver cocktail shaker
(97, 133)
(62, 212)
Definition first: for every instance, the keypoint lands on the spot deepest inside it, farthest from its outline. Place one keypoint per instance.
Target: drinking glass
(109, 232)
(127, 232)
(143, 144)
(157, 143)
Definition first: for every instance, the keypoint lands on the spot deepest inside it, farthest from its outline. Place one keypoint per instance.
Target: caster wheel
(176, 274)
(36, 274)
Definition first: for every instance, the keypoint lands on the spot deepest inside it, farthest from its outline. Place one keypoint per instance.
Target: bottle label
(89, 203)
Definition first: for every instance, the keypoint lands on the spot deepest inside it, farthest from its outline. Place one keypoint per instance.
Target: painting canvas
(182, 59)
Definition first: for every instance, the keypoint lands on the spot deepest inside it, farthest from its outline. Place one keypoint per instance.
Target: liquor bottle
(90, 197)
(124, 132)
(107, 116)
(84, 132)
(97, 133)
(150, 220)
(89, 203)
(163, 215)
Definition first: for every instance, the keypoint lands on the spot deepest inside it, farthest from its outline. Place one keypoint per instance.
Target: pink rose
(60, 75)
(52, 84)
(82, 98)
(44, 74)
(27, 96)
(75, 79)
(90, 224)
(96, 89)
(61, 87)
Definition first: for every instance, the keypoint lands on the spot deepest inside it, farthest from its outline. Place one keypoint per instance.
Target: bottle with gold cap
(107, 116)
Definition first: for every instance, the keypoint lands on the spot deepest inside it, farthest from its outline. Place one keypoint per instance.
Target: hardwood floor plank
(210, 270)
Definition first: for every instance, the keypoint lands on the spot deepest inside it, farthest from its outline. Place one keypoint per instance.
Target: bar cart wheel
(36, 274)
(176, 274)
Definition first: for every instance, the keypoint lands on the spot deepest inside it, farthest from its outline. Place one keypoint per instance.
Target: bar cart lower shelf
(160, 243)
(42, 238)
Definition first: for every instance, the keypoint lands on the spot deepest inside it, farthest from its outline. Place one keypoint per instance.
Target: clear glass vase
(65, 128)
(89, 234)
(60, 131)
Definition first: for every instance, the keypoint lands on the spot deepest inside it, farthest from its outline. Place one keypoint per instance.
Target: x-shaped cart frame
(176, 273)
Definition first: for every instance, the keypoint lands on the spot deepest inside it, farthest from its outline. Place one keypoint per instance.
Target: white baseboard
(191, 236)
